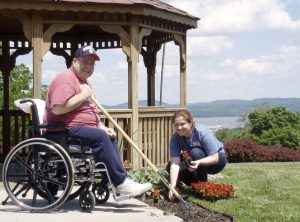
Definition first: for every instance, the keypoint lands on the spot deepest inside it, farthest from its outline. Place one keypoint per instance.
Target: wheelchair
(43, 172)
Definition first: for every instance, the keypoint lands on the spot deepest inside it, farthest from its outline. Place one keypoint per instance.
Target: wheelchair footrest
(99, 170)
(121, 198)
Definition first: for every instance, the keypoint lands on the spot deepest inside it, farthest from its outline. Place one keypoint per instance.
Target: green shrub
(148, 175)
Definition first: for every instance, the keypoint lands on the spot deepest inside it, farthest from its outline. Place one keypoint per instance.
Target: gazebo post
(37, 45)
(181, 41)
(7, 65)
(150, 62)
(133, 87)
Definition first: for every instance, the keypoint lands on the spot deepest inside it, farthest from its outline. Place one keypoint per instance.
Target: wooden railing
(155, 130)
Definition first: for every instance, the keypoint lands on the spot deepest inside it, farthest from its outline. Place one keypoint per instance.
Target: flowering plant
(127, 165)
(155, 195)
(212, 191)
(185, 155)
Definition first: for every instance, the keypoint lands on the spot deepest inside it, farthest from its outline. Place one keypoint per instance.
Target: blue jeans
(105, 149)
(200, 174)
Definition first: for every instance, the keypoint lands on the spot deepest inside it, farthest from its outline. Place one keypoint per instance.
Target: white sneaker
(131, 188)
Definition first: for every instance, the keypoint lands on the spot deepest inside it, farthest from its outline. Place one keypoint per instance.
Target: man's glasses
(85, 63)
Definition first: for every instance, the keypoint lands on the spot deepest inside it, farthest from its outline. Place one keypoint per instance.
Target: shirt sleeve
(210, 143)
(61, 93)
(174, 146)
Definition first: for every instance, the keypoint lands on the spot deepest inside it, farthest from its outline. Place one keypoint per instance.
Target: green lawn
(263, 192)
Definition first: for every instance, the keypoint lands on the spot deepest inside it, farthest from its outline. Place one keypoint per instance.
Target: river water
(216, 123)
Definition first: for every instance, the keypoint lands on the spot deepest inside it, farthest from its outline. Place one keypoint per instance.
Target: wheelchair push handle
(26, 101)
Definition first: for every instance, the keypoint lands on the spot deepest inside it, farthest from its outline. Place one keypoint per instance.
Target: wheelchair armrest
(75, 141)
(54, 126)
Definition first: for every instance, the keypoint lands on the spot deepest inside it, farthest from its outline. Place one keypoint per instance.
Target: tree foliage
(20, 82)
(273, 126)
(20, 85)
(276, 117)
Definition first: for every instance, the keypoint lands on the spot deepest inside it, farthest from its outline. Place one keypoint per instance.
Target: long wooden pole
(162, 74)
(164, 180)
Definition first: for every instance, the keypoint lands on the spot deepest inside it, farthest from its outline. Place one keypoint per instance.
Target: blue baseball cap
(85, 51)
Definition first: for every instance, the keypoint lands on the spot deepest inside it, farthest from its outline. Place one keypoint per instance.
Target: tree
(275, 126)
(20, 85)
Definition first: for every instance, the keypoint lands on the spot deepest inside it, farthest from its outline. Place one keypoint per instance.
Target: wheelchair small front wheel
(87, 201)
(101, 192)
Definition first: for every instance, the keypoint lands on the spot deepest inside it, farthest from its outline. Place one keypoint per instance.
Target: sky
(241, 49)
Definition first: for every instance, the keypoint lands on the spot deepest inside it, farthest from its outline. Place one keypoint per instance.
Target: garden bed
(197, 212)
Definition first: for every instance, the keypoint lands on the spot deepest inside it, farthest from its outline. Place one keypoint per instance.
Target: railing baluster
(16, 136)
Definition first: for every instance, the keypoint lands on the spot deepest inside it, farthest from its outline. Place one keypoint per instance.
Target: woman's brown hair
(185, 114)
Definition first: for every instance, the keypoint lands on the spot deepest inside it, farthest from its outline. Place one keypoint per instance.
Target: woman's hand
(194, 165)
(171, 196)
(207, 161)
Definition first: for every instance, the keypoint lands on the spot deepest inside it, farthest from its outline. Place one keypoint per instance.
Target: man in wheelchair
(69, 101)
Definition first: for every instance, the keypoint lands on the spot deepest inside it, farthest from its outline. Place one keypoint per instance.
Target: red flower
(213, 191)
(156, 193)
(185, 155)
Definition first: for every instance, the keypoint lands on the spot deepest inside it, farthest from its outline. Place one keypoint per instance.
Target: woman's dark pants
(200, 174)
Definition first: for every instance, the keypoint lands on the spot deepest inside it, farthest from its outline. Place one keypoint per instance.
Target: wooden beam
(181, 41)
(150, 55)
(133, 86)
(144, 32)
(23, 18)
(37, 44)
(77, 22)
(161, 29)
(119, 31)
(54, 28)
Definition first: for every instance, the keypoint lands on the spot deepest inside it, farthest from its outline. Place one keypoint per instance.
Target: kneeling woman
(206, 152)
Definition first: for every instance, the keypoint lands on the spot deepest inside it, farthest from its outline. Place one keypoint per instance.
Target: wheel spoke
(24, 163)
(34, 196)
(17, 175)
(25, 187)
(53, 181)
(48, 193)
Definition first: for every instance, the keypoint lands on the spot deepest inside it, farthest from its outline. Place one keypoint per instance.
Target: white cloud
(238, 15)
(251, 65)
(48, 76)
(208, 45)
(285, 60)
(272, 75)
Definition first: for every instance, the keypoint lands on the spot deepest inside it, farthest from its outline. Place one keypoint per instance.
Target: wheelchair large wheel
(31, 170)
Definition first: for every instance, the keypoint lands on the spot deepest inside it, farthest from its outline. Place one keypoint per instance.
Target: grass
(263, 192)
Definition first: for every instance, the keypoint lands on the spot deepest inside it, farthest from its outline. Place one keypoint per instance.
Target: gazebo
(139, 27)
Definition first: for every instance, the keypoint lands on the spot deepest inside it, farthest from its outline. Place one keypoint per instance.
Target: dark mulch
(197, 212)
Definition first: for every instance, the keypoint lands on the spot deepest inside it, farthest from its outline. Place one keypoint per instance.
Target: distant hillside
(239, 107)
(229, 107)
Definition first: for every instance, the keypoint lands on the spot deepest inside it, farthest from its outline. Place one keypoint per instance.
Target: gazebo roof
(154, 8)
(151, 3)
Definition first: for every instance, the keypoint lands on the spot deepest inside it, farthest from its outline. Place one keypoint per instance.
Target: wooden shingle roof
(153, 8)
(150, 3)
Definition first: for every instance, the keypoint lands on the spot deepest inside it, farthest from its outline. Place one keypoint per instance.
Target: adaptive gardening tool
(164, 180)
